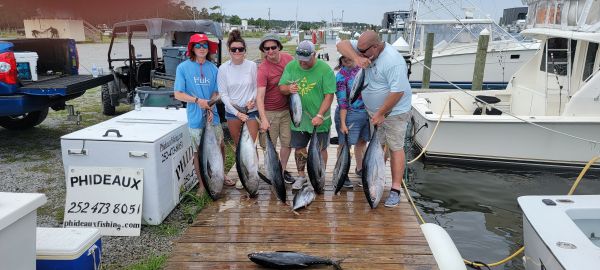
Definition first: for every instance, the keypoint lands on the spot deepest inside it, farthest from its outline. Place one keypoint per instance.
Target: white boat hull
(559, 231)
(457, 65)
(504, 139)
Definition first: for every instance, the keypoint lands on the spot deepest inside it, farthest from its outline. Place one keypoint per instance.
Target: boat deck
(334, 226)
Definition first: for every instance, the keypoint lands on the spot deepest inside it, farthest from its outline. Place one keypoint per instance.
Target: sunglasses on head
(272, 48)
(201, 45)
(237, 49)
(304, 53)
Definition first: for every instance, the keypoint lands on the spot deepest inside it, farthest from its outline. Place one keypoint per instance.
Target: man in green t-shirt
(314, 81)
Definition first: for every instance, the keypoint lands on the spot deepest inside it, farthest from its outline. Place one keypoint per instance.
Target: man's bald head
(369, 45)
(368, 38)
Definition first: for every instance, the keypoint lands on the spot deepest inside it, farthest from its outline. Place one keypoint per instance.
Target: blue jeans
(358, 126)
(251, 116)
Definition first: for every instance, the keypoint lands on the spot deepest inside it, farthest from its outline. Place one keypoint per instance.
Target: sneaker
(239, 185)
(393, 200)
(348, 184)
(287, 178)
(299, 182)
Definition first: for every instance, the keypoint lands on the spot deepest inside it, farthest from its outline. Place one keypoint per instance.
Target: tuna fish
(296, 109)
(289, 260)
(303, 197)
(357, 86)
(373, 171)
(211, 162)
(342, 166)
(273, 170)
(315, 164)
(246, 162)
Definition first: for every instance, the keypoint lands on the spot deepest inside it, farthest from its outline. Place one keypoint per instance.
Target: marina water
(478, 205)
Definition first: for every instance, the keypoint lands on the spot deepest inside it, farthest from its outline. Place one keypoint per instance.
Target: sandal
(229, 182)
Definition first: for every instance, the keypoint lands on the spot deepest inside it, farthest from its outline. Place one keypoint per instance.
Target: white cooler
(154, 139)
(18, 217)
(30, 58)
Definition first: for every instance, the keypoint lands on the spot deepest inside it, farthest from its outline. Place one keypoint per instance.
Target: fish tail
(336, 264)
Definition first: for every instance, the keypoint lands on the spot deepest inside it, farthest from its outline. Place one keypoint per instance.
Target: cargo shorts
(280, 128)
(196, 134)
(393, 130)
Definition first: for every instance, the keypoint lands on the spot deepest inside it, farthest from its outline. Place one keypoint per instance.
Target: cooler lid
(156, 113)
(147, 125)
(64, 243)
(14, 206)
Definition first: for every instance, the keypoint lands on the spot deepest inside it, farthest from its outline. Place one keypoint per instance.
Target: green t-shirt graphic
(313, 84)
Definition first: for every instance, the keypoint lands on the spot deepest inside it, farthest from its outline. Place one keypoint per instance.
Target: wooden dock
(337, 227)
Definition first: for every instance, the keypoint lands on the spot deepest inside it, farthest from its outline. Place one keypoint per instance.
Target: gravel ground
(31, 161)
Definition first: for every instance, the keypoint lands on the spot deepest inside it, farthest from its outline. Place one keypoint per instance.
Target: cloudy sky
(365, 11)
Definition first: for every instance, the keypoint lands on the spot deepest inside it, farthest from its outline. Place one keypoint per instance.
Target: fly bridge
(333, 226)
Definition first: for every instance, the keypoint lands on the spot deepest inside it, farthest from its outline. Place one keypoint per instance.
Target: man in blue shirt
(388, 92)
(196, 84)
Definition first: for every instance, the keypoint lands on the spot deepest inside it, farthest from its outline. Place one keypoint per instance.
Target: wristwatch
(320, 116)
(196, 100)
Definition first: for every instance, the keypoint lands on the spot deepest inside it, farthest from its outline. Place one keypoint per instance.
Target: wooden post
(428, 54)
(479, 70)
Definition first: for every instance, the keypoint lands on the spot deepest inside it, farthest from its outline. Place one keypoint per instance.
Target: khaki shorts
(393, 130)
(196, 134)
(280, 128)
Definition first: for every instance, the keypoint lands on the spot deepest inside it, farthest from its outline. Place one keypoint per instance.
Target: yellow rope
(582, 173)
(521, 249)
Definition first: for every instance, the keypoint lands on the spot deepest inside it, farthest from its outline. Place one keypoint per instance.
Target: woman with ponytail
(237, 86)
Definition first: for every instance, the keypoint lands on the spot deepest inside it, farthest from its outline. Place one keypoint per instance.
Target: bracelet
(320, 116)
(196, 100)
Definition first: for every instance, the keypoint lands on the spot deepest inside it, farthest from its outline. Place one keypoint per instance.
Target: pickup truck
(24, 103)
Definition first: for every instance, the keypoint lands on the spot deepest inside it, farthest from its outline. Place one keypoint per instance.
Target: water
(478, 206)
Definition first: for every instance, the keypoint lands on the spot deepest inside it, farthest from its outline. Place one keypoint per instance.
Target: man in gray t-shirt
(387, 97)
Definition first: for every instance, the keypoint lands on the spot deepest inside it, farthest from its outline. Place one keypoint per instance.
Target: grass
(192, 204)
(229, 155)
(154, 262)
(165, 229)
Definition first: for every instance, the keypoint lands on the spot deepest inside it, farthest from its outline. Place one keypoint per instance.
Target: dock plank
(334, 226)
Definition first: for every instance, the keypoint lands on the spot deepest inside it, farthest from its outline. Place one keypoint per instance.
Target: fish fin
(264, 178)
(209, 169)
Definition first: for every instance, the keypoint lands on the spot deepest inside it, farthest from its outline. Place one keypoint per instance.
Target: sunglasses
(305, 53)
(365, 50)
(201, 46)
(237, 49)
(272, 48)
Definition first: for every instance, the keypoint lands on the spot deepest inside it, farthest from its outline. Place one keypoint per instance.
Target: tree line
(109, 12)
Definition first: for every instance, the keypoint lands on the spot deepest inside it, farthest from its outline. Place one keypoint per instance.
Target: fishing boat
(455, 48)
(549, 114)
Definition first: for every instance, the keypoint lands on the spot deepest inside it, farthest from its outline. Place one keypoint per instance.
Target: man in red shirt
(273, 107)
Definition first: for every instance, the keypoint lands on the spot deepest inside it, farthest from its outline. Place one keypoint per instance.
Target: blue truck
(24, 103)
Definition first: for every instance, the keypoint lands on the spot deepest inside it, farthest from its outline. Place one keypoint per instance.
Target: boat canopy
(574, 15)
(158, 27)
